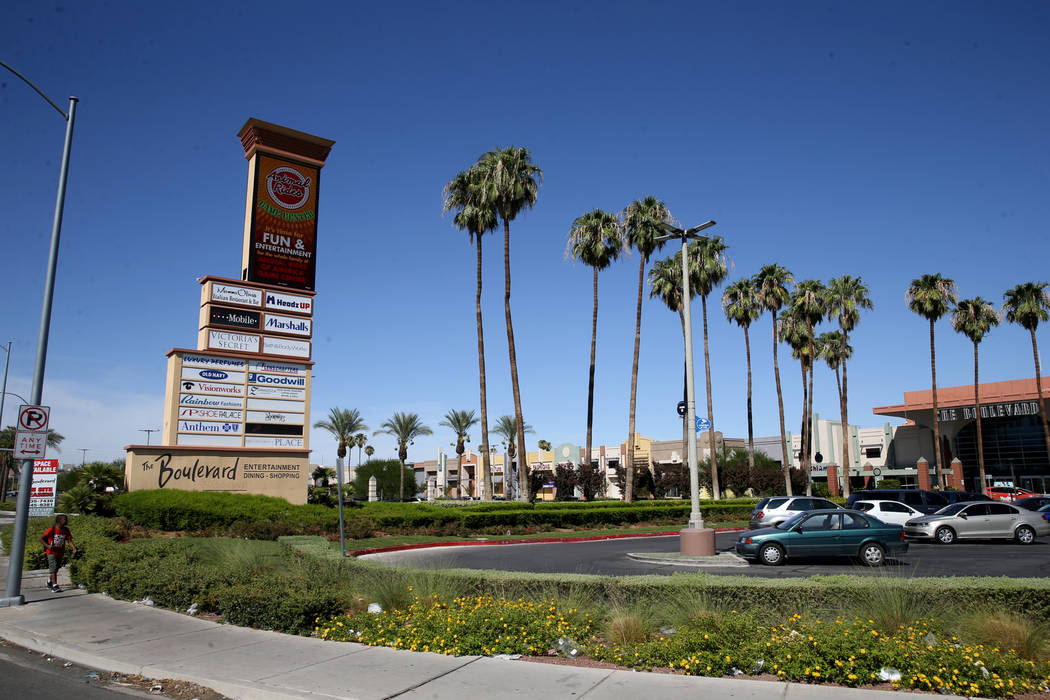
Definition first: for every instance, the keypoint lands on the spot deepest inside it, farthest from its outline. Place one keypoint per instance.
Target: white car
(780, 508)
(892, 512)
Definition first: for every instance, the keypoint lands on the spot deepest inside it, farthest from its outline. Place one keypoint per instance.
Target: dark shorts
(54, 563)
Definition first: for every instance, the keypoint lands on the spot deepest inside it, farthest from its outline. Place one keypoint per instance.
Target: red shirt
(57, 538)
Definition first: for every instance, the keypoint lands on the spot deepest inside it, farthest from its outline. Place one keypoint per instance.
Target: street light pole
(3, 391)
(696, 540)
(148, 431)
(13, 595)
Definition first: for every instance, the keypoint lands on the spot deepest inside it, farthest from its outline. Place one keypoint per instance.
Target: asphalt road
(609, 557)
(27, 674)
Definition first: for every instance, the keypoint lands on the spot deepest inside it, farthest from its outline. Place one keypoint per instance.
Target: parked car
(889, 512)
(1044, 511)
(1033, 502)
(1010, 493)
(780, 508)
(964, 496)
(822, 533)
(923, 501)
(978, 521)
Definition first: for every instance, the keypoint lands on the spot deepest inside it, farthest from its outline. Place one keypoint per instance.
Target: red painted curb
(544, 540)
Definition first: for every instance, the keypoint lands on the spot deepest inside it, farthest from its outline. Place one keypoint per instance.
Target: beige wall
(284, 474)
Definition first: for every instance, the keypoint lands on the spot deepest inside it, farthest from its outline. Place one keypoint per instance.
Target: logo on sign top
(288, 187)
(256, 378)
(290, 302)
(286, 324)
(236, 295)
(33, 418)
(213, 374)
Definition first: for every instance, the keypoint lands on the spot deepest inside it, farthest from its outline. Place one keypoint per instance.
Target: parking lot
(609, 557)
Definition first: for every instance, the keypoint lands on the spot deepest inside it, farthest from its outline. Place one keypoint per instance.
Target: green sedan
(824, 533)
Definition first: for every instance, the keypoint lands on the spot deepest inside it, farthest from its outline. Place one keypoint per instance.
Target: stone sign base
(281, 473)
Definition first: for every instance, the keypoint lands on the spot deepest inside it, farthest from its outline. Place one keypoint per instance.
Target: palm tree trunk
(590, 382)
(634, 383)
(750, 424)
(459, 469)
(936, 422)
(844, 410)
(809, 416)
(785, 455)
(804, 433)
(685, 419)
(1039, 388)
(486, 466)
(401, 492)
(977, 408)
(523, 477)
(715, 490)
(845, 426)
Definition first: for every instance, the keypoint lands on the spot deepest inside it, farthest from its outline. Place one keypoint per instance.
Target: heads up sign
(280, 225)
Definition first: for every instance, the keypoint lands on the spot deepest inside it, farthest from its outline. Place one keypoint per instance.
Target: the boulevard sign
(1009, 409)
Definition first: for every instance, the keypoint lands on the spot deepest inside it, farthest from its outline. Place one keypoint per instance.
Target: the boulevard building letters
(994, 410)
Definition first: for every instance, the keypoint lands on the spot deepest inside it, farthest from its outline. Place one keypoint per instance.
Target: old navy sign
(1010, 409)
(289, 302)
(212, 375)
(286, 324)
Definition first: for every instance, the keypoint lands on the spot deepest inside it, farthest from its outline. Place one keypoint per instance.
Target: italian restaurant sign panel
(282, 243)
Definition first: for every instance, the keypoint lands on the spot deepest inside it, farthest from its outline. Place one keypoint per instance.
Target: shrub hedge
(263, 517)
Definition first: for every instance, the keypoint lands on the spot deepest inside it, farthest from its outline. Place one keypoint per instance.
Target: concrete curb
(539, 540)
(719, 561)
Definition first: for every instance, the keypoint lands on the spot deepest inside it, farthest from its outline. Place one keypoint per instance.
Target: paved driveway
(609, 557)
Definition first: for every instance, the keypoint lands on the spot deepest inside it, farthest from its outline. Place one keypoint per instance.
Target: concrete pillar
(833, 480)
(372, 496)
(923, 468)
(955, 477)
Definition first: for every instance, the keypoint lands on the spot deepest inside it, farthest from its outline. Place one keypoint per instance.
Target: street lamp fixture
(696, 540)
(13, 595)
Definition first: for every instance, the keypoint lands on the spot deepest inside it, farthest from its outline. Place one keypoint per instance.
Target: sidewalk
(95, 630)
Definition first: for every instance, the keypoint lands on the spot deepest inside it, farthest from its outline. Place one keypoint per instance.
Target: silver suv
(779, 508)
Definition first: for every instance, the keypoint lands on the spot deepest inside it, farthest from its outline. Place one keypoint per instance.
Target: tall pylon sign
(237, 407)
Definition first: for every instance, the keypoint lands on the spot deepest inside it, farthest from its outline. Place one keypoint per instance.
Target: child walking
(55, 540)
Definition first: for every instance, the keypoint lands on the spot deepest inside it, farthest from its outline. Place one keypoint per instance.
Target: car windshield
(953, 509)
(791, 522)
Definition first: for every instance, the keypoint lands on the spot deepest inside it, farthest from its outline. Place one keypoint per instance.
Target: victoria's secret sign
(1011, 409)
(282, 240)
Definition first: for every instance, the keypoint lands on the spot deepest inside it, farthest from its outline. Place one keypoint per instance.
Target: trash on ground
(734, 671)
(567, 648)
(92, 675)
(930, 639)
(67, 664)
(375, 608)
(192, 610)
(507, 657)
(887, 673)
(668, 630)
(158, 688)
(758, 666)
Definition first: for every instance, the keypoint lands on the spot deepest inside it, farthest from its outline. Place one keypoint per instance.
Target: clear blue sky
(884, 140)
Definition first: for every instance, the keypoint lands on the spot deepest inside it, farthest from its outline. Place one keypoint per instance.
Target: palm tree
(792, 331)
(341, 424)
(846, 297)
(369, 451)
(708, 267)
(740, 304)
(507, 428)
(464, 194)
(641, 221)
(405, 427)
(460, 422)
(509, 183)
(543, 445)
(771, 290)
(665, 282)
(360, 440)
(931, 296)
(596, 239)
(810, 304)
(1026, 305)
(834, 351)
(974, 318)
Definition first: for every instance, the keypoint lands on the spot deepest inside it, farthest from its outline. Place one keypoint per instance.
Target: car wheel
(873, 554)
(771, 555)
(1025, 535)
(944, 535)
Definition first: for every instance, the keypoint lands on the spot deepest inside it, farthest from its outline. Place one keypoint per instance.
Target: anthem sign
(237, 407)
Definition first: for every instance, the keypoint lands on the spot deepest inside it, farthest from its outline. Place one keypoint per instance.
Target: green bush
(283, 604)
(88, 531)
